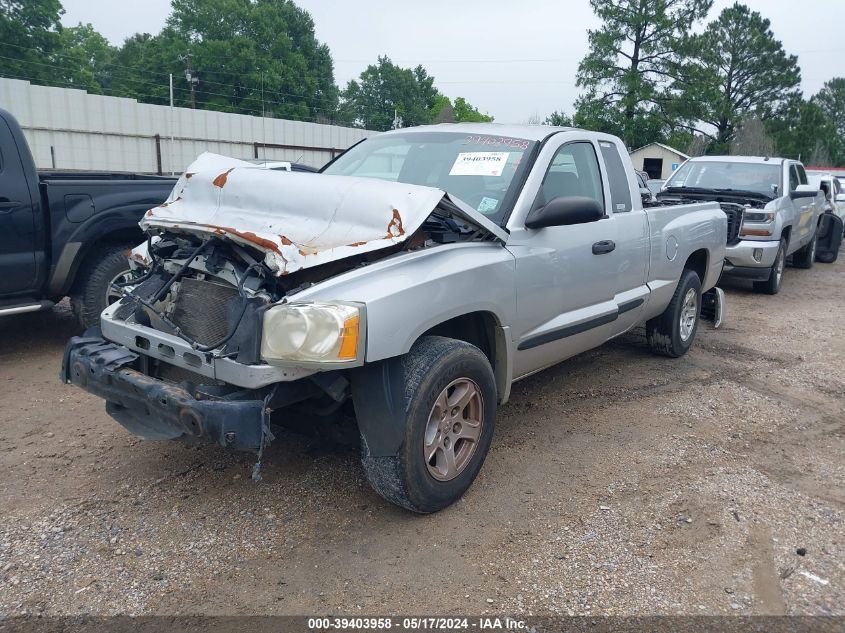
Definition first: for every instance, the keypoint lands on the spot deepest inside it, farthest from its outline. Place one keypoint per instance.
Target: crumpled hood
(299, 220)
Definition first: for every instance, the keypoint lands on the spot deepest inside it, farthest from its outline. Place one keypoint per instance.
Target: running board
(29, 307)
(713, 306)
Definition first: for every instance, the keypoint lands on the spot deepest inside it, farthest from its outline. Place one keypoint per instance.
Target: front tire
(92, 291)
(806, 255)
(449, 418)
(772, 285)
(673, 332)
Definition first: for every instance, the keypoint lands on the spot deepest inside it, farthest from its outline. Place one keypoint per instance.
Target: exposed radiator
(201, 309)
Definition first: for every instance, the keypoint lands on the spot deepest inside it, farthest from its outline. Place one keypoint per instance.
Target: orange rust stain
(188, 175)
(285, 240)
(164, 205)
(357, 244)
(394, 227)
(303, 253)
(253, 238)
(220, 181)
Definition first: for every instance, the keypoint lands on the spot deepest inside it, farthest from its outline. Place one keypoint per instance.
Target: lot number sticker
(479, 164)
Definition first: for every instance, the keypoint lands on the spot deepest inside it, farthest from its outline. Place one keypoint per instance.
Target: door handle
(605, 246)
(7, 205)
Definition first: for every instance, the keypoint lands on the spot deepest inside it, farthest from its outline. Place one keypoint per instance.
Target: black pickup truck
(64, 233)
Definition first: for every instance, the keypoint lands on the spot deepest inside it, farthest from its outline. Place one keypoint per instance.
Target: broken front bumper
(155, 409)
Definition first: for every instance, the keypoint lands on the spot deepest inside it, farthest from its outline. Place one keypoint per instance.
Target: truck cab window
(620, 192)
(574, 171)
(794, 181)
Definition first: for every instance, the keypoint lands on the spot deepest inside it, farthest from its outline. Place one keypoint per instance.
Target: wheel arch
(786, 234)
(78, 251)
(483, 329)
(698, 262)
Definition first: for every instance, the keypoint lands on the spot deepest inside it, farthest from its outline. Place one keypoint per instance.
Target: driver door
(565, 275)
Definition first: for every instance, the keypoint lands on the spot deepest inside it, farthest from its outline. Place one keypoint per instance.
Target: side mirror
(804, 191)
(565, 210)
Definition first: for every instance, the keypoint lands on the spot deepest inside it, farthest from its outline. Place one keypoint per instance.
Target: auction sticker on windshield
(479, 164)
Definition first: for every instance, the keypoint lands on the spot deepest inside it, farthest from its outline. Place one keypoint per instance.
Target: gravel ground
(618, 483)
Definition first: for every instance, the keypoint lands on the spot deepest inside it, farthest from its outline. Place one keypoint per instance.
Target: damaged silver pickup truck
(408, 285)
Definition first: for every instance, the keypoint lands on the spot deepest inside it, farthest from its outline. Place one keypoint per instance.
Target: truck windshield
(763, 178)
(480, 170)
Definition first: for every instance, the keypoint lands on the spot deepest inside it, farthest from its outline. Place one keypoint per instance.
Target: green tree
(141, 68)
(558, 119)
(87, 57)
(802, 130)
(385, 91)
(444, 111)
(737, 69)
(253, 57)
(467, 113)
(29, 36)
(632, 59)
(831, 99)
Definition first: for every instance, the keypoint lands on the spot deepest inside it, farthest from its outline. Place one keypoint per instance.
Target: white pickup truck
(406, 287)
(780, 211)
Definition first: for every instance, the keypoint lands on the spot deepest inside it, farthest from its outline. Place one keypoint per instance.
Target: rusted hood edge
(298, 220)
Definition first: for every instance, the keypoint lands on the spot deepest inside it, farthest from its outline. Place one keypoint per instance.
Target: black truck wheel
(92, 291)
(672, 333)
(805, 257)
(828, 258)
(771, 286)
(449, 415)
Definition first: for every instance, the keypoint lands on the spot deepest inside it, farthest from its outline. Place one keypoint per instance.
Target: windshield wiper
(744, 192)
(724, 190)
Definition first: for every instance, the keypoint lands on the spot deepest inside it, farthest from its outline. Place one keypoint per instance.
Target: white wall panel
(82, 131)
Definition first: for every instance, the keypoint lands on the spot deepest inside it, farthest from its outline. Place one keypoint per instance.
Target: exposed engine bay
(212, 292)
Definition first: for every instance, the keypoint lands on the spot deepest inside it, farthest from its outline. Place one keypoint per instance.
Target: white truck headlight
(312, 332)
(758, 216)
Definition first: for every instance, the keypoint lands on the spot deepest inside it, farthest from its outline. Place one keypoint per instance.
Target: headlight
(756, 216)
(312, 332)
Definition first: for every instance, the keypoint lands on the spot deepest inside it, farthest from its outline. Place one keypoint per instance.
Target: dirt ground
(618, 483)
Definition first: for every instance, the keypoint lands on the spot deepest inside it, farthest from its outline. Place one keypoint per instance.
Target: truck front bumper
(748, 259)
(155, 409)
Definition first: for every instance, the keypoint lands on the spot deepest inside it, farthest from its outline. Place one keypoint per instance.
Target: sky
(513, 60)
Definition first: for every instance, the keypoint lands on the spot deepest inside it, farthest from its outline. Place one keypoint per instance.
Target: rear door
(630, 257)
(18, 268)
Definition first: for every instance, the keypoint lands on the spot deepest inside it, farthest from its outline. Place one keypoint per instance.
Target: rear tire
(772, 285)
(449, 405)
(673, 332)
(806, 255)
(91, 293)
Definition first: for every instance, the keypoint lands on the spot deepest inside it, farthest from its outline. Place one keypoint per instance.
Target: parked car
(413, 304)
(283, 165)
(833, 223)
(655, 185)
(65, 233)
(646, 195)
(780, 211)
